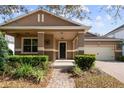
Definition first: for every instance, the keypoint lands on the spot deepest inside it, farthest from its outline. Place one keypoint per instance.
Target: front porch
(59, 44)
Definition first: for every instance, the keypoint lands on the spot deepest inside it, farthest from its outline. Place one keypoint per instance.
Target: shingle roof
(115, 30)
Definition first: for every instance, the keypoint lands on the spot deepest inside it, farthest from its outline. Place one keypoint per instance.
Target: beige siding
(50, 54)
(48, 41)
(18, 42)
(32, 20)
(70, 55)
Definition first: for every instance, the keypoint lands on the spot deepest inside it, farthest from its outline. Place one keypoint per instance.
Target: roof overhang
(120, 28)
(102, 40)
(45, 27)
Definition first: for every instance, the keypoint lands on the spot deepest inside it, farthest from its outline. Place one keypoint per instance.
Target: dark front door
(62, 50)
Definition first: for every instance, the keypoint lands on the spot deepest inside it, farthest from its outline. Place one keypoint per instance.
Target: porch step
(63, 64)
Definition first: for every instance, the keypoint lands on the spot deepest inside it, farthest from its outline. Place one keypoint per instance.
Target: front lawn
(87, 76)
(96, 79)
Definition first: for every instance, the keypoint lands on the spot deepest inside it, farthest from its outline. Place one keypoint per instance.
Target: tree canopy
(7, 11)
(69, 11)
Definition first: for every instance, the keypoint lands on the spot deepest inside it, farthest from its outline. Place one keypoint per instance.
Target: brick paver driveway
(115, 69)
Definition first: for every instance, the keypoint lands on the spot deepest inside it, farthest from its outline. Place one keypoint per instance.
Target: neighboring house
(10, 42)
(117, 33)
(41, 32)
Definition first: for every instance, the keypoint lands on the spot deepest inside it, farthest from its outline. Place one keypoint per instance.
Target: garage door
(102, 53)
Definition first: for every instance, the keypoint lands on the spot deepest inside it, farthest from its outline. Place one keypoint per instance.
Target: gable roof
(34, 11)
(115, 30)
(90, 34)
(93, 37)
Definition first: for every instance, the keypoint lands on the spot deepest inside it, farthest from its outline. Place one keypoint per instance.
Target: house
(117, 33)
(10, 42)
(41, 32)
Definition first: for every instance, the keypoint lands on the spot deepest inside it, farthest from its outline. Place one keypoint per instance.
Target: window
(30, 45)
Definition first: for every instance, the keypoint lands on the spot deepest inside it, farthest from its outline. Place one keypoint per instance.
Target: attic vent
(40, 18)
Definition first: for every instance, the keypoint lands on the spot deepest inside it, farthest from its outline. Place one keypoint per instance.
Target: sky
(101, 22)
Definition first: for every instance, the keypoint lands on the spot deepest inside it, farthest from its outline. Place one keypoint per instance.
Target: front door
(62, 50)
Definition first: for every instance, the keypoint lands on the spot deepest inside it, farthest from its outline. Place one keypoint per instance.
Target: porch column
(80, 43)
(40, 42)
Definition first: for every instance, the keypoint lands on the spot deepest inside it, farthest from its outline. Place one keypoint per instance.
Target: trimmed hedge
(85, 61)
(10, 52)
(33, 60)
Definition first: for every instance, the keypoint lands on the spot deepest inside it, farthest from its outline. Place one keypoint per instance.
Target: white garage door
(102, 53)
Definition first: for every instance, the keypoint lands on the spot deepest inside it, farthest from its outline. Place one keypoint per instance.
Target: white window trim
(22, 45)
(59, 49)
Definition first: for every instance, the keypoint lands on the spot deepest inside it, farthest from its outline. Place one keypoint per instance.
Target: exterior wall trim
(102, 40)
(18, 49)
(40, 32)
(40, 48)
(100, 45)
(43, 27)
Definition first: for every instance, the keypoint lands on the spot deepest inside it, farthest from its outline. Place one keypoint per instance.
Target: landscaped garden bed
(86, 75)
(8, 82)
(25, 71)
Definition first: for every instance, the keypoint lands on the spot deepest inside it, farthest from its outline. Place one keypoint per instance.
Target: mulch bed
(8, 82)
(96, 78)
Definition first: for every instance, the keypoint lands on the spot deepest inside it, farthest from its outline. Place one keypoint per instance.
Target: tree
(7, 11)
(3, 49)
(82, 12)
(69, 11)
(115, 11)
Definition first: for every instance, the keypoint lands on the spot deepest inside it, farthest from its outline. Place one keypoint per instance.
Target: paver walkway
(61, 79)
(115, 69)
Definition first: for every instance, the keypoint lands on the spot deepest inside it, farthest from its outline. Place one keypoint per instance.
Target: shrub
(28, 72)
(33, 60)
(37, 75)
(121, 58)
(85, 62)
(77, 71)
(10, 52)
(2, 66)
(3, 49)
(24, 71)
